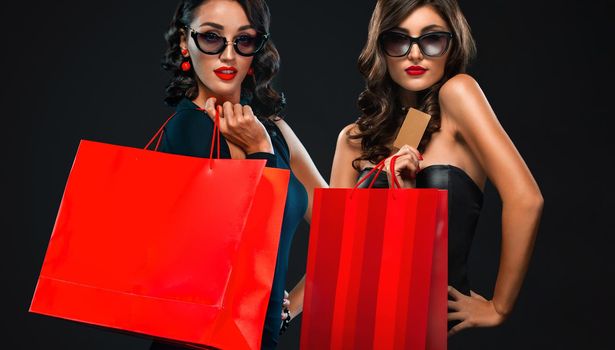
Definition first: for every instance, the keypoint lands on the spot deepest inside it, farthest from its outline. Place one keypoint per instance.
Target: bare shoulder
(347, 150)
(462, 99)
(461, 86)
(345, 137)
(287, 132)
(350, 129)
(293, 142)
(282, 124)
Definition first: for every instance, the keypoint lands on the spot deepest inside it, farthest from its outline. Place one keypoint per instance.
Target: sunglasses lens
(434, 44)
(213, 44)
(395, 44)
(249, 45)
(210, 42)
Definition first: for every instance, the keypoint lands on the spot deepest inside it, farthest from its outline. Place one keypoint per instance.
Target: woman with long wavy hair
(416, 56)
(222, 59)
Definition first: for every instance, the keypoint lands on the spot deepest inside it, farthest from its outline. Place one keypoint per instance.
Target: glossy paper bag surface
(165, 245)
(377, 270)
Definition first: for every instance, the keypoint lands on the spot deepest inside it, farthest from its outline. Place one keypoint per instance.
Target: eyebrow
(431, 27)
(425, 29)
(221, 27)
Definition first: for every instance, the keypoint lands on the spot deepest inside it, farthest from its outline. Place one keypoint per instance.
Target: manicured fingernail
(420, 156)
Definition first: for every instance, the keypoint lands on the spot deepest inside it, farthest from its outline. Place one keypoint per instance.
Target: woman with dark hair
(416, 56)
(222, 59)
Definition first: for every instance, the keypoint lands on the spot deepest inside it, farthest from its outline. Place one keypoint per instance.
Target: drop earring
(185, 66)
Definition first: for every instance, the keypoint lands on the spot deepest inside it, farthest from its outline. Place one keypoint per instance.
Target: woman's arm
(462, 100)
(306, 172)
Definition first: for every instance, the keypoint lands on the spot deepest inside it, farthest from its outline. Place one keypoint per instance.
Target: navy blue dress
(189, 133)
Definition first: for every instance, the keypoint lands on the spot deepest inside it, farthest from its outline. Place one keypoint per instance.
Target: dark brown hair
(379, 102)
(262, 97)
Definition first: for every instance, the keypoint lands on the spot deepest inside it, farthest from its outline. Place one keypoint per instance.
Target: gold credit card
(412, 129)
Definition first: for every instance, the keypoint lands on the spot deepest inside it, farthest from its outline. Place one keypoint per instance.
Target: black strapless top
(465, 200)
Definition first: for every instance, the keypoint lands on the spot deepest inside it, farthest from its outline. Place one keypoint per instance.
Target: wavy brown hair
(379, 103)
(262, 97)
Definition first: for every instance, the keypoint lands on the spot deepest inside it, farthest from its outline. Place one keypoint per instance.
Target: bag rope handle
(378, 169)
(215, 136)
(392, 166)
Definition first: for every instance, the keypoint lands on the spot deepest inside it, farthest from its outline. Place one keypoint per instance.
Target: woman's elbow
(529, 200)
(532, 201)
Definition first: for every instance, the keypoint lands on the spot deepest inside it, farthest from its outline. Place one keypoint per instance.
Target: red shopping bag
(377, 269)
(171, 246)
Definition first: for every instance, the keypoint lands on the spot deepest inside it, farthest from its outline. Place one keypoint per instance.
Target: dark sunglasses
(433, 44)
(211, 43)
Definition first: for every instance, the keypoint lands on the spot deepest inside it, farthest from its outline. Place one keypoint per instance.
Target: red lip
(226, 73)
(415, 70)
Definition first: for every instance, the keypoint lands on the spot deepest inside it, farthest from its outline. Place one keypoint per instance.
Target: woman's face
(220, 75)
(415, 71)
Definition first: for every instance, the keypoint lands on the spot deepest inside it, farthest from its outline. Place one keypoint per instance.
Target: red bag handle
(379, 167)
(392, 166)
(215, 136)
(159, 134)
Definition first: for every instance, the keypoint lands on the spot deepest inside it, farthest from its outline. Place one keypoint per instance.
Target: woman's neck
(408, 99)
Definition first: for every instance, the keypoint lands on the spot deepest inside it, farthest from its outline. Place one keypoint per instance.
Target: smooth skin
(244, 133)
(472, 139)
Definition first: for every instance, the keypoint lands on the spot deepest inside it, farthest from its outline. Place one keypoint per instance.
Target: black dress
(465, 200)
(189, 133)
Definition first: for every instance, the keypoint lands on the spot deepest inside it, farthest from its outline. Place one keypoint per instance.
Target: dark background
(90, 70)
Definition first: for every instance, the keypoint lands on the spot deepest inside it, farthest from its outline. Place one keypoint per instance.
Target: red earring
(185, 66)
(251, 71)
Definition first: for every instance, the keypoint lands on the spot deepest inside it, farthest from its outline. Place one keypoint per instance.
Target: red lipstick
(226, 73)
(415, 70)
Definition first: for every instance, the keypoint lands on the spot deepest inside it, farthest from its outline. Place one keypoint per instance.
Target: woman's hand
(285, 305)
(286, 316)
(472, 311)
(406, 166)
(240, 126)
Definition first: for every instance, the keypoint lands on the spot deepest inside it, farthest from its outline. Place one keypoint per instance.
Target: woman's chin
(416, 86)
